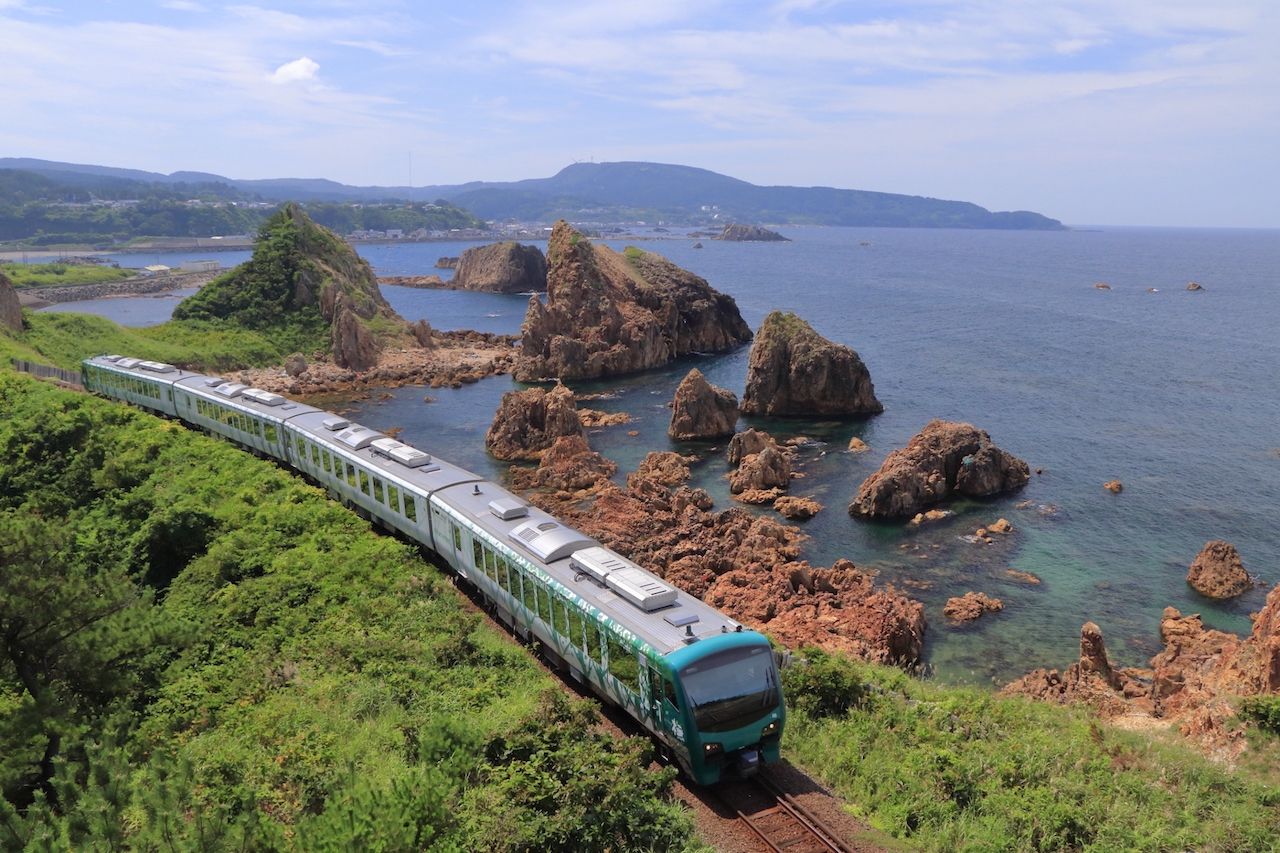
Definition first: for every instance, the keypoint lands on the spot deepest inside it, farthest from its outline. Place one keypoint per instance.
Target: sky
(1108, 112)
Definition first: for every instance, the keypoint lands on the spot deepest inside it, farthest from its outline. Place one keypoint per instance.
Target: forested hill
(601, 192)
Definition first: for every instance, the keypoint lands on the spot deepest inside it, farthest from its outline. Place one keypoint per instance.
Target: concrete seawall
(37, 297)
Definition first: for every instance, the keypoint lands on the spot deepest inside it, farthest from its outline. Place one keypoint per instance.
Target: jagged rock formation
(794, 371)
(796, 508)
(306, 283)
(746, 565)
(945, 458)
(750, 233)
(768, 469)
(745, 443)
(447, 263)
(10, 307)
(971, 606)
(420, 282)
(569, 465)
(528, 422)
(1217, 571)
(609, 313)
(507, 267)
(701, 410)
(1191, 680)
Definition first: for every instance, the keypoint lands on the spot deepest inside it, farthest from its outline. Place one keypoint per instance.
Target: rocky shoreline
(38, 297)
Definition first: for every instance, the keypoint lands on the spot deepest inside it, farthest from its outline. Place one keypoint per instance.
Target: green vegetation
(960, 769)
(1264, 710)
(79, 208)
(44, 275)
(65, 339)
(198, 650)
(632, 253)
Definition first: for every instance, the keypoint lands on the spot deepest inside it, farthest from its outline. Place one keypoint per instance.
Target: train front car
(732, 704)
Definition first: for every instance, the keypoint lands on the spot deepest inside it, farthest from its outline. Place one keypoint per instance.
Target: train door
(660, 707)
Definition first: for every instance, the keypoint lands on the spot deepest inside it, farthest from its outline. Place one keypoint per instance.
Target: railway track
(777, 819)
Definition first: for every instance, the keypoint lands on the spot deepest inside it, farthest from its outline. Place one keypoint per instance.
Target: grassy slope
(327, 680)
(961, 769)
(55, 274)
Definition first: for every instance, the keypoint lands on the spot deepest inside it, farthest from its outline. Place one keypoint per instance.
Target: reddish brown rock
(971, 606)
(608, 313)
(421, 282)
(569, 465)
(1022, 577)
(507, 267)
(746, 443)
(354, 345)
(747, 566)
(796, 508)
(944, 459)
(857, 445)
(665, 467)
(1001, 526)
(700, 410)
(1090, 680)
(1115, 487)
(768, 469)
(758, 497)
(528, 422)
(793, 371)
(10, 307)
(1217, 571)
(592, 418)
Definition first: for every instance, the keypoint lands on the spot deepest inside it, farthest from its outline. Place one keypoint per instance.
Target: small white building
(155, 269)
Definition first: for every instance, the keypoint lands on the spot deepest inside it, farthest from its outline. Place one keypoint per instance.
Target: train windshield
(732, 688)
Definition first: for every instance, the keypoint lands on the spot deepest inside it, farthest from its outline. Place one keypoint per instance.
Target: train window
(378, 494)
(504, 579)
(478, 555)
(669, 691)
(393, 497)
(490, 564)
(410, 507)
(457, 534)
(315, 456)
(327, 460)
(622, 662)
(528, 594)
(168, 392)
(364, 482)
(593, 641)
(351, 474)
(257, 430)
(575, 624)
(544, 605)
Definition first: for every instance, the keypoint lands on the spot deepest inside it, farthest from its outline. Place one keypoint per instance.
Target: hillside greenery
(58, 273)
(962, 769)
(75, 208)
(199, 650)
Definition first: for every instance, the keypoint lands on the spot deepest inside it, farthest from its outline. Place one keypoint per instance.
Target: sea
(1174, 393)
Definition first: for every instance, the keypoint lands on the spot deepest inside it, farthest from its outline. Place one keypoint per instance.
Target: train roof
(660, 614)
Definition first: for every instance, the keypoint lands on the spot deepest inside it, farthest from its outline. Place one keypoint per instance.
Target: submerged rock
(1115, 487)
(971, 606)
(528, 422)
(700, 410)
(609, 313)
(1217, 571)
(796, 508)
(943, 459)
(795, 372)
(507, 267)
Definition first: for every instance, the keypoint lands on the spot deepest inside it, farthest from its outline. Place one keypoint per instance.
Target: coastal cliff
(307, 286)
(610, 313)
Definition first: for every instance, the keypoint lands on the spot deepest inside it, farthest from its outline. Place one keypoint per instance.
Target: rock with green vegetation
(507, 267)
(738, 233)
(10, 307)
(795, 372)
(305, 285)
(609, 313)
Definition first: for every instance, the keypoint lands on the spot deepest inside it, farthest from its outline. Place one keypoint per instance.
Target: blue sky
(1138, 112)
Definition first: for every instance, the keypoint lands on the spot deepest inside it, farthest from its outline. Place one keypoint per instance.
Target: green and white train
(705, 687)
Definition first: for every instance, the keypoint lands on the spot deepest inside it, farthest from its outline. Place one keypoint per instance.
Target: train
(703, 685)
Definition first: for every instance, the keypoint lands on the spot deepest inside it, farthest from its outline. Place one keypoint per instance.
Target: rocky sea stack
(528, 422)
(1218, 573)
(943, 459)
(309, 288)
(700, 410)
(502, 268)
(750, 234)
(610, 313)
(10, 306)
(795, 372)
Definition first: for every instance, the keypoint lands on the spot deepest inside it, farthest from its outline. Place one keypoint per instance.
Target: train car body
(706, 688)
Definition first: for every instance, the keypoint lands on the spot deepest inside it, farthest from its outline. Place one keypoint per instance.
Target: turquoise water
(1176, 394)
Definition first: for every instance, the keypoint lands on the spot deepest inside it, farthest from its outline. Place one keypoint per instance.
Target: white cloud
(298, 71)
(183, 5)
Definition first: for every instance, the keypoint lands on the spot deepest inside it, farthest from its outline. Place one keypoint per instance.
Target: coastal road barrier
(45, 371)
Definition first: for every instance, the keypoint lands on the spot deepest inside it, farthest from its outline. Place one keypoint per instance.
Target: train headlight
(771, 729)
(711, 749)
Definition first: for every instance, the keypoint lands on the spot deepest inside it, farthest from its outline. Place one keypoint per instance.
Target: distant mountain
(609, 192)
